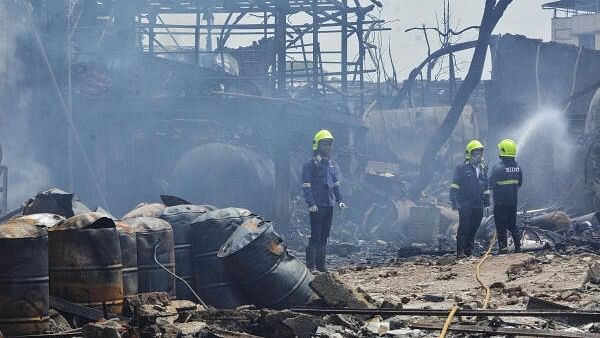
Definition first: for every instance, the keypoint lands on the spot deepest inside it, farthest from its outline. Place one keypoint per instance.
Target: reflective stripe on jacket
(320, 184)
(505, 179)
(468, 189)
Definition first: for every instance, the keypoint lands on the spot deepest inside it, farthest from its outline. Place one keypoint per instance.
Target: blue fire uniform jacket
(320, 184)
(468, 189)
(505, 180)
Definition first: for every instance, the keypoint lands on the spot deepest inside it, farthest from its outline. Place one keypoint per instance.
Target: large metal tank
(223, 174)
(271, 276)
(154, 237)
(213, 282)
(128, 244)
(181, 217)
(23, 278)
(85, 262)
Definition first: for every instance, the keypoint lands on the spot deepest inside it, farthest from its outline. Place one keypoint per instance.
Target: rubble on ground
(373, 289)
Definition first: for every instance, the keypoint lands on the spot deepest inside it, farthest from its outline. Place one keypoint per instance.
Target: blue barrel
(24, 278)
(270, 276)
(212, 281)
(128, 244)
(181, 217)
(153, 235)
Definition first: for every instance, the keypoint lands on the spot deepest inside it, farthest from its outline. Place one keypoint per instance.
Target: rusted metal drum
(271, 276)
(145, 210)
(47, 220)
(181, 217)
(23, 278)
(128, 243)
(213, 282)
(85, 262)
(153, 235)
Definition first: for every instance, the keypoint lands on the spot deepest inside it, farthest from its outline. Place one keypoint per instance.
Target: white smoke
(546, 152)
(26, 174)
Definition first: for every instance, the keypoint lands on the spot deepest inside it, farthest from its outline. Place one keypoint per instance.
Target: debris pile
(183, 270)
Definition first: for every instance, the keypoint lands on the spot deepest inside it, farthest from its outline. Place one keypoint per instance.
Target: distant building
(576, 22)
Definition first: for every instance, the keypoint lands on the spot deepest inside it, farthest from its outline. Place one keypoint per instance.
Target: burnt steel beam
(506, 330)
(84, 312)
(257, 25)
(444, 313)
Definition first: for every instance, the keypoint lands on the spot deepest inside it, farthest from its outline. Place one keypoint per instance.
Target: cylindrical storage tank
(154, 234)
(213, 282)
(181, 217)
(128, 243)
(85, 262)
(23, 278)
(271, 277)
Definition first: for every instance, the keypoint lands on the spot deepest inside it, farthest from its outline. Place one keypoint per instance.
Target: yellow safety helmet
(321, 135)
(507, 148)
(472, 145)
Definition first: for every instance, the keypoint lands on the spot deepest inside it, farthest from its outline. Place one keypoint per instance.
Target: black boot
(320, 258)
(310, 257)
(517, 243)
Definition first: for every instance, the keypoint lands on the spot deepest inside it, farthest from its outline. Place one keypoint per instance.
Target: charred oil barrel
(23, 278)
(154, 240)
(128, 243)
(145, 210)
(181, 217)
(269, 274)
(85, 262)
(212, 281)
(47, 220)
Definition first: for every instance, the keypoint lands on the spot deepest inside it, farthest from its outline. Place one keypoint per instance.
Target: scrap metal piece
(506, 330)
(535, 303)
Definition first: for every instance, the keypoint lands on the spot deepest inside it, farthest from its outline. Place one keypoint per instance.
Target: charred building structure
(212, 100)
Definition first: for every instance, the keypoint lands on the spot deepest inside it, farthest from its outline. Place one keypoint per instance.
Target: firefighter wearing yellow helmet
(505, 180)
(321, 189)
(470, 195)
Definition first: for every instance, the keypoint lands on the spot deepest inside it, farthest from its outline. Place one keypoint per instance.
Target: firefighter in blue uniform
(470, 195)
(505, 180)
(321, 190)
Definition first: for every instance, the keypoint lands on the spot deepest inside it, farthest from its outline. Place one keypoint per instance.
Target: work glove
(342, 206)
(455, 205)
(314, 208)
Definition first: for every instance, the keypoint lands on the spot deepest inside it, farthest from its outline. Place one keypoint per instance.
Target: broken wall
(405, 133)
(527, 99)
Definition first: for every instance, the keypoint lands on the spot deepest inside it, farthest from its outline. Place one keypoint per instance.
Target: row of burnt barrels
(228, 257)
